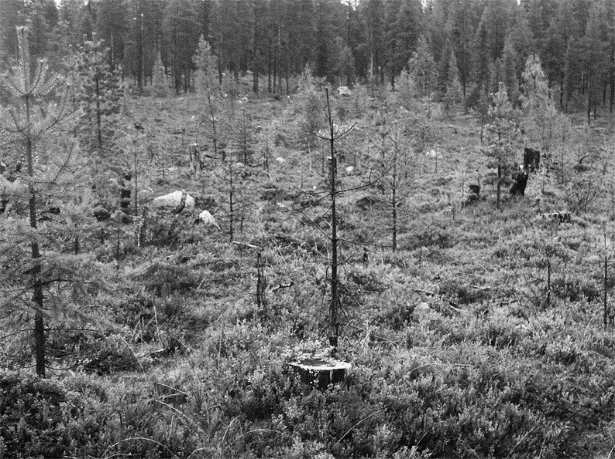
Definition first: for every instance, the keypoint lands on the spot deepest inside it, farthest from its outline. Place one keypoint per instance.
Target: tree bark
(499, 184)
(333, 340)
(269, 65)
(37, 297)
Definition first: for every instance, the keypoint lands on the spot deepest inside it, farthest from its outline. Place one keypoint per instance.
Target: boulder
(173, 201)
(207, 219)
(344, 91)
(422, 311)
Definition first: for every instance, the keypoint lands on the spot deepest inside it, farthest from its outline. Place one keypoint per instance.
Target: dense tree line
(342, 40)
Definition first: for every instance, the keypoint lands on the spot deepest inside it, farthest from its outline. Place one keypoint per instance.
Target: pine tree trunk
(98, 116)
(606, 311)
(333, 340)
(548, 281)
(275, 71)
(37, 297)
(269, 65)
(612, 78)
(231, 203)
(561, 93)
(286, 70)
(139, 47)
(589, 105)
(254, 55)
(499, 185)
(394, 198)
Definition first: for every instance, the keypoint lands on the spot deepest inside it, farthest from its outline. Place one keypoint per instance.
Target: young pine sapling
(33, 120)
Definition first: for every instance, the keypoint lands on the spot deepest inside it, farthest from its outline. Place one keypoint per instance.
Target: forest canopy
(344, 41)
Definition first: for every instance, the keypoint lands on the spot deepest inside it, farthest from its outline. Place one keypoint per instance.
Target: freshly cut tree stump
(321, 371)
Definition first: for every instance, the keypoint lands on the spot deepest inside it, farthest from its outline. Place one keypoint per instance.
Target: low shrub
(164, 279)
(437, 236)
(32, 417)
(463, 293)
(575, 289)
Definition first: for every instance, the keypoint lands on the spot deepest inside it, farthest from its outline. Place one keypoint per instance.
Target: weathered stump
(320, 371)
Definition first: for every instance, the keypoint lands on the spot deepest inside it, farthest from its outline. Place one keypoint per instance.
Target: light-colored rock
(208, 220)
(172, 201)
(422, 310)
(344, 91)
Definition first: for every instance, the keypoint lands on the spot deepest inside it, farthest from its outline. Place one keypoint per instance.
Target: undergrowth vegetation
(481, 335)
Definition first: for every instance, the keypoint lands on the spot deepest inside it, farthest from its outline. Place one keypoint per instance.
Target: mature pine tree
(13, 14)
(482, 58)
(373, 17)
(112, 26)
(258, 31)
(42, 17)
(73, 24)
(508, 64)
(584, 63)
(610, 15)
(463, 19)
(302, 33)
(423, 69)
(408, 29)
(160, 87)
(581, 11)
(393, 66)
(572, 70)
(454, 93)
(342, 62)
(554, 57)
(435, 19)
(539, 15)
(152, 34)
(181, 30)
(521, 38)
(443, 66)
(136, 44)
(596, 58)
(329, 25)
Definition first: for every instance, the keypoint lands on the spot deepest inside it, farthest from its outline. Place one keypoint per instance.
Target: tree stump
(321, 371)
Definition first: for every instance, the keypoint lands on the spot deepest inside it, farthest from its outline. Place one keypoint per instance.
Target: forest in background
(488, 41)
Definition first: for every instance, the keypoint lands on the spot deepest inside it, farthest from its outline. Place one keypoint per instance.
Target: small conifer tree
(208, 84)
(406, 90)
(313, 115)
(35, 124)
(454, 92)
(502, 135)
(100, 98)
(160, 87)
(423, 68)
